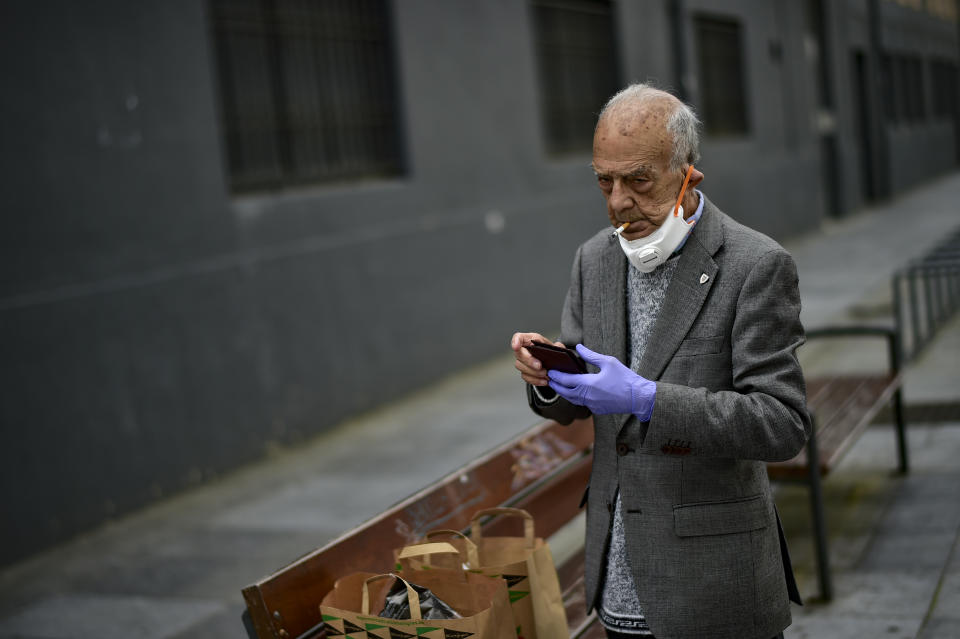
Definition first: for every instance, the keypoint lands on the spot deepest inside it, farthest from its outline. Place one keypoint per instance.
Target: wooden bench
(544, 471)
(842, 406)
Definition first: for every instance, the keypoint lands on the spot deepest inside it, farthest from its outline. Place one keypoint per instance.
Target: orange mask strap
(683, 189)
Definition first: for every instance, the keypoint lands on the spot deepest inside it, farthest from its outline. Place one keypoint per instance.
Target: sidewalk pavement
(175, 570)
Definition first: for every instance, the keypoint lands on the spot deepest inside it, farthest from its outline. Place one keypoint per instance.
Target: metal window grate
(892, 111)
(578, 69)
(723, 101)
(307, 91)
(911, 88)
(943, 83)
(903, 88)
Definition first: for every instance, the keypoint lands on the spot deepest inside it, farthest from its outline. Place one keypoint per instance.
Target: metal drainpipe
(676, 15)
(955, 96)
(881, 157)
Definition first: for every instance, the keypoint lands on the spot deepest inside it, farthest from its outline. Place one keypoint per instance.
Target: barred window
(307, 91)
(892, 110)
(943, 81)
(723, 100)
(913, 88)
(578, 68)
(903, 88)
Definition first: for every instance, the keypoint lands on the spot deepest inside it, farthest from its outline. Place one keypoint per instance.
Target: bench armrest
(862, 330)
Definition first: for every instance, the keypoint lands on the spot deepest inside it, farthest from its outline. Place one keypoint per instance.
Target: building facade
(227, 226)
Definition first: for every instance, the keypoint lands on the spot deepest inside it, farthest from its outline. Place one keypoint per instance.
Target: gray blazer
(703, 536)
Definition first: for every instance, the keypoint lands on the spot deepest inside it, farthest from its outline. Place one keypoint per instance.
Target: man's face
(631, 157)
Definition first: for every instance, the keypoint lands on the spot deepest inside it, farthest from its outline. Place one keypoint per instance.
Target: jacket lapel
(696, 272)
(613, 288)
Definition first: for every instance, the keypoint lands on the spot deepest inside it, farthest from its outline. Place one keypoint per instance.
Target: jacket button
(622, 449)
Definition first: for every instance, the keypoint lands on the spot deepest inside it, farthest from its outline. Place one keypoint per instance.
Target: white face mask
(647, 253)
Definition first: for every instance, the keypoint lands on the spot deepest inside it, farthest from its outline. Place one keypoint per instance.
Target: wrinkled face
(631, 157)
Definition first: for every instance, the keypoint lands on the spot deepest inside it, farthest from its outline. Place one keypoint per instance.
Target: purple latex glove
(615, 389)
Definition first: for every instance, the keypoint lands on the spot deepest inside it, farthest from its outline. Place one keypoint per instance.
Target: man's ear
(696, 177)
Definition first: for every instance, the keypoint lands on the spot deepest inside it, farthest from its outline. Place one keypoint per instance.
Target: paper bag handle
(528, 534)
(473, 559)
(423, 550)
(412, 597)
(407, 553)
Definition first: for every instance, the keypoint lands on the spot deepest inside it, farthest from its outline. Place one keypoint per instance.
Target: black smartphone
(558, 358)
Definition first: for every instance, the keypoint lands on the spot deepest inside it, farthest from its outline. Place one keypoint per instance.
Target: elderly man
(689, 323)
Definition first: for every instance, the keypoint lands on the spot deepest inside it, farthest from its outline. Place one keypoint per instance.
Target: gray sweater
(620, 608)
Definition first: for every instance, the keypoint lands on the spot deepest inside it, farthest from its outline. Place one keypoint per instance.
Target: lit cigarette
(620, 229)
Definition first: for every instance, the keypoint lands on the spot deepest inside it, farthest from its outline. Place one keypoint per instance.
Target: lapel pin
(704, 278)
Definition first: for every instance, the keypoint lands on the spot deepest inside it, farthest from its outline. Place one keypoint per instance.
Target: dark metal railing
(926, 294)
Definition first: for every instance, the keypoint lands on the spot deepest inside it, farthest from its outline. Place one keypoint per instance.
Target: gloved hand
(615, 389)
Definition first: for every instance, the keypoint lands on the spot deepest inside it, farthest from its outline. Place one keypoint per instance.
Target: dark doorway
(861, 112)
(817, 30)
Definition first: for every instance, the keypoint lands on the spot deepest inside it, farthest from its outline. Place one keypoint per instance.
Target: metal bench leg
(895, 357)
(901, 432)
(819, 520)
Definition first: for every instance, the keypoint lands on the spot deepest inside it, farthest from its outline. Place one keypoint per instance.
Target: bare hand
(531, 369)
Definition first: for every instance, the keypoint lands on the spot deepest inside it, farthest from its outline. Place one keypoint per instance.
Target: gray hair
(683, 124)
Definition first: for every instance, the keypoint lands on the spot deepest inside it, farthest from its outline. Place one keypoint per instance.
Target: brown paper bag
(525, 563)
(481, 601)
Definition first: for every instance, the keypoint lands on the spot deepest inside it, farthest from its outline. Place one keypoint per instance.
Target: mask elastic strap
(683, 189)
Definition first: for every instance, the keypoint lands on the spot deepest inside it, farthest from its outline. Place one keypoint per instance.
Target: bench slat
(554, 503)
(843, 406)
(570, 574)
(848, 424)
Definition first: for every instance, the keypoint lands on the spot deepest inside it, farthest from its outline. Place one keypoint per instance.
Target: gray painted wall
(157, 331)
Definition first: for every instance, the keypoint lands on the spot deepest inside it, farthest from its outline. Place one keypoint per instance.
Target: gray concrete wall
(915, 152)
(776, 161)
(919, 151)
(127, 364)
(158, 331)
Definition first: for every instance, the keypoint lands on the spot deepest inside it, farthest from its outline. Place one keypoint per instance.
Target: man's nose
(620, 198)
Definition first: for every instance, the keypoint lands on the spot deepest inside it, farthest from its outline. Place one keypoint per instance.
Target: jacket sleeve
(764, 417)
(544, 401)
